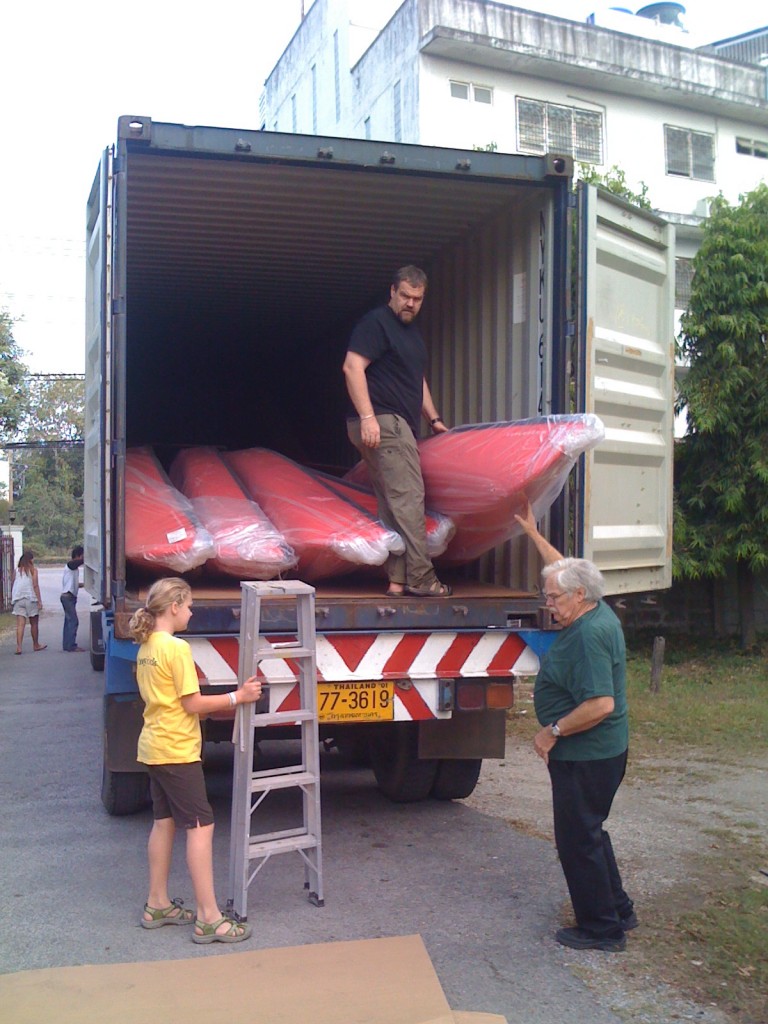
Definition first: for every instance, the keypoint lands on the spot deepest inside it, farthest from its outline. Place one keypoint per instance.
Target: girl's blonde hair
(161, 596)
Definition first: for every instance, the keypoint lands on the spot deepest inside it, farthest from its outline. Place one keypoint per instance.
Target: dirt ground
(674, 825)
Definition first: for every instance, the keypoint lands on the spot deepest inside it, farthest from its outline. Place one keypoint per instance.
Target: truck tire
(96, 648)
(400, 774)
(124, 792)
(456, 779)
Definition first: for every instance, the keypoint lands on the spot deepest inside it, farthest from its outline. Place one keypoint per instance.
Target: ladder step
(284, 717)
(285, 845)
(266, 782)
(282, 651)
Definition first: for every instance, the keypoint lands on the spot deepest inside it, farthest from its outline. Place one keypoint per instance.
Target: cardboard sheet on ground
(374, 981)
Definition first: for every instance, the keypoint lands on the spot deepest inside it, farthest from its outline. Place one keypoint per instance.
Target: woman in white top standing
(27, 603)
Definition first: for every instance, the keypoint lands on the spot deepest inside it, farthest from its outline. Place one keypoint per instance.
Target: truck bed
(361, 605)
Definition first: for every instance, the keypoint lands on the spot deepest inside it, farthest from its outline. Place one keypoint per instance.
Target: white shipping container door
(98, 413)
(627, 324)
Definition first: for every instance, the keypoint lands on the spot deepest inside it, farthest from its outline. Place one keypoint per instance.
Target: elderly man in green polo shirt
(581, 704)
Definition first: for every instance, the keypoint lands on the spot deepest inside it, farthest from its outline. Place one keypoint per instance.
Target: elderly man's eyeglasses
(552, 596)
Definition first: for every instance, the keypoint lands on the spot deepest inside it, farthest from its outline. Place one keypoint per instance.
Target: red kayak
(439, 528)
(481, 475)
(248, 545)
(161, 529)
(330, 535)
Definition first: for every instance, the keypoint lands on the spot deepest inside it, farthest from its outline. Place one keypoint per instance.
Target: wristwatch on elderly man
(555, 730)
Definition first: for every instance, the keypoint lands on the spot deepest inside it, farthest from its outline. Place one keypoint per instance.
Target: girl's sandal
(237, 931)
(173, 914)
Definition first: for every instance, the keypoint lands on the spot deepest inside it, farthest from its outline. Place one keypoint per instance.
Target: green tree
(615, 180)
(50, 470)
(50, 504)
(13, 380)
(722, 463)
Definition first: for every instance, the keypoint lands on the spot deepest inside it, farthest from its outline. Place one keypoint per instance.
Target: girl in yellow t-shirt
(170, 746)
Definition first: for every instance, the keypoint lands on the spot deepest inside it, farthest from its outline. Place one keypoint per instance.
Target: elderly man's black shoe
(577, 938)
(629, 922)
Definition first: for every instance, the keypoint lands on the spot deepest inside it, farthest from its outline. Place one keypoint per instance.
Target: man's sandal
(237, 931)
(173, 914)
(437, 589)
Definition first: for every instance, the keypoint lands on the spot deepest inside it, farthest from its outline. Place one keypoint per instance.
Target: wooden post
(657, 662)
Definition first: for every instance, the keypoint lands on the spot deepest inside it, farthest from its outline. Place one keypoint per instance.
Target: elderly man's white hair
(572, 573)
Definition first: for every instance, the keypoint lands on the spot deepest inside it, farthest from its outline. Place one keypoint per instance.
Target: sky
(69, 70)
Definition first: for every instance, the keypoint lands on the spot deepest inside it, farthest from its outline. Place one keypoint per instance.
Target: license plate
(356, 702)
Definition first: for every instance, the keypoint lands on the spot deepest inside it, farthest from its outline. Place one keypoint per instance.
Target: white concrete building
(623, 91)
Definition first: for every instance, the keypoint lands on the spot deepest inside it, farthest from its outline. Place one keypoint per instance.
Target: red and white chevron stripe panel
(419, 658)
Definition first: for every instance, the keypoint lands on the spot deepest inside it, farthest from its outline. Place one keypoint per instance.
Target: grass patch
(7, 623)
(709, 937)
(713, 949)
(711, 697)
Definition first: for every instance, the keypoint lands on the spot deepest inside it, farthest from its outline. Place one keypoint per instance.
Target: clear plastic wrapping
(440, 529)
(481, 475)
(161, 528)
(329, 534)
(248, 545)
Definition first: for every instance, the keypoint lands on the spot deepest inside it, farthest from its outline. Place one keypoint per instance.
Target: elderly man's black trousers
(582, 794)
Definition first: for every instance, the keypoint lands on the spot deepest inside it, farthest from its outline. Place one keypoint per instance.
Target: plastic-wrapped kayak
(248, 545)
(161, 529)
(330, 535)
(481, 475)
(439, 528)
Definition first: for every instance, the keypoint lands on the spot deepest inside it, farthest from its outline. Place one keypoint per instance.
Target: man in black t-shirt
(384, 370)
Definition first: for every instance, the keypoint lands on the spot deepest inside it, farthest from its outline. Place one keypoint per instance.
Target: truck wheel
(400, 775)
(124, 792)
(97, 643)
(456, 779)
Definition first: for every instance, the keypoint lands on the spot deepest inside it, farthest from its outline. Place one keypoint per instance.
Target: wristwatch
(555, 728)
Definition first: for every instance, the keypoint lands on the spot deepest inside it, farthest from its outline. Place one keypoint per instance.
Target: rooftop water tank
(664, 13)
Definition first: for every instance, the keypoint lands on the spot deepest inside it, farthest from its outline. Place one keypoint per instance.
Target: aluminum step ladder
(250, 851)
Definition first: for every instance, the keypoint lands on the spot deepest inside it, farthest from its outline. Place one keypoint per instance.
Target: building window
(337, 74)
(683, 281)
(367, 127)
(314, 99)
(752, 147)
(689, 154)
(555, 128)
(468, 90)
(398, 132)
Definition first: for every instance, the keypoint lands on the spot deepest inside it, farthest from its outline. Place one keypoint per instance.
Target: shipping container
(226, 270)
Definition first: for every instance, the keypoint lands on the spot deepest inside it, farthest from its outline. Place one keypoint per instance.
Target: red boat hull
(481, 475)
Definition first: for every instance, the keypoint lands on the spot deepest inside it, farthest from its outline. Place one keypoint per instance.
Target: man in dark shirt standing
(385, 374)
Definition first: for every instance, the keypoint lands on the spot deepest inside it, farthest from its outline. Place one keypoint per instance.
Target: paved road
(484, 897)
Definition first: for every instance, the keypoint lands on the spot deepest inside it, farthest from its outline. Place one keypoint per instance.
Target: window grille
(683, 281)
(557, 128)
(689, 154)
